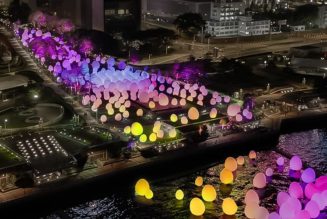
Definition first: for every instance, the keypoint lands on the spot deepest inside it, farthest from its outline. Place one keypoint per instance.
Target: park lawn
(8, 158)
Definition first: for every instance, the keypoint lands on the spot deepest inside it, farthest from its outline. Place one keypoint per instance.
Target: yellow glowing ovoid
(122, 108)
(139, 112)
(213, 113)
(229, 206)
(197, 207)
(143, 138)
(193, 113)
(198, 181)
(209, 193)
(172, 133)
(152, 105)
(153, 137)
(141, 187)
(111, 111)
(173, 117)
(179, 195)
(230, 164)
(127, 130)
(226, 176)
(156, 127)
(149, 194)
(136, 129)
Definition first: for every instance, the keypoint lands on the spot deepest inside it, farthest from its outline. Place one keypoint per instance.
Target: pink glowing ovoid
(295, 190)
(233, 109)
(296, 163)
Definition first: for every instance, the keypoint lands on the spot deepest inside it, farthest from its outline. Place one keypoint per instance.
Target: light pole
(5, 123)
(167, 47)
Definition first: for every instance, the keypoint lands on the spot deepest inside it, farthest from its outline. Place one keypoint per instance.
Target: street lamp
(5, 123)
(167, 47)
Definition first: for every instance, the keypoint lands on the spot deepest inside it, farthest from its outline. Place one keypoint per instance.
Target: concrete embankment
(98, 183)
(310, 121)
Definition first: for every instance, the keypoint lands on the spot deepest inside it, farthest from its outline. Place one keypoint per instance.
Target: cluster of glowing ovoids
(306, 196)
(230, 166)
(117, 86)
(142, 188)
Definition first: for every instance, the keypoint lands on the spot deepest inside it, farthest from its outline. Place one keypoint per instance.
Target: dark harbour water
(311, 146)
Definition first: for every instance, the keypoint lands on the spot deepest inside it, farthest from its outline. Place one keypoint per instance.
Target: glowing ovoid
(233, 109)
(261, 213)
(209, 193)
(197, 207)
(229, 206)
(193, 113)
(141, 187)
(295, 190)
(312, 208)
(259, 181)
(251, 196)
(308, 175)
(179, 195)
(252, 155)
(280, 161)
(274, 215)
(198, 181)
(269, 172)
(136, 129)
(230, 164)
(226, 176)
(240, 160)
(250, 209)
(296, 163)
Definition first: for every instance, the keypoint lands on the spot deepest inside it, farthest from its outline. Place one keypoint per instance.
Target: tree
(189, 23)
(305, 15)
(19, 11)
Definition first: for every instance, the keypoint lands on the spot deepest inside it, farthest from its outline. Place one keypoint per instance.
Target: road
(185, 48)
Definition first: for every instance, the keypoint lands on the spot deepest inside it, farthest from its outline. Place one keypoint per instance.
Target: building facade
(250, 27)
(173, 8)
(224, 18)
(227, 10)
(322, 16)
(222, 28)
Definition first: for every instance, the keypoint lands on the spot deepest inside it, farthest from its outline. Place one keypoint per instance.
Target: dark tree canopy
(189, 23)
(305, 14)
(19, 11)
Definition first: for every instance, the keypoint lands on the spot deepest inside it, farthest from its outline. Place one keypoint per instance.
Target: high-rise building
(224, 17)
(227, 10)
(102, 15)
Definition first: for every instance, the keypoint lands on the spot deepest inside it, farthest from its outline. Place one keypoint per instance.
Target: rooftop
(10, 82)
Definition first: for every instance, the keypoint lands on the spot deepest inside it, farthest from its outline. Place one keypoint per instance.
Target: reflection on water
(310, 145)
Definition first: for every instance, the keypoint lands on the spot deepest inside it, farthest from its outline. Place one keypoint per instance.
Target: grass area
(27, 98)
(8, 157)
(77, 139)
